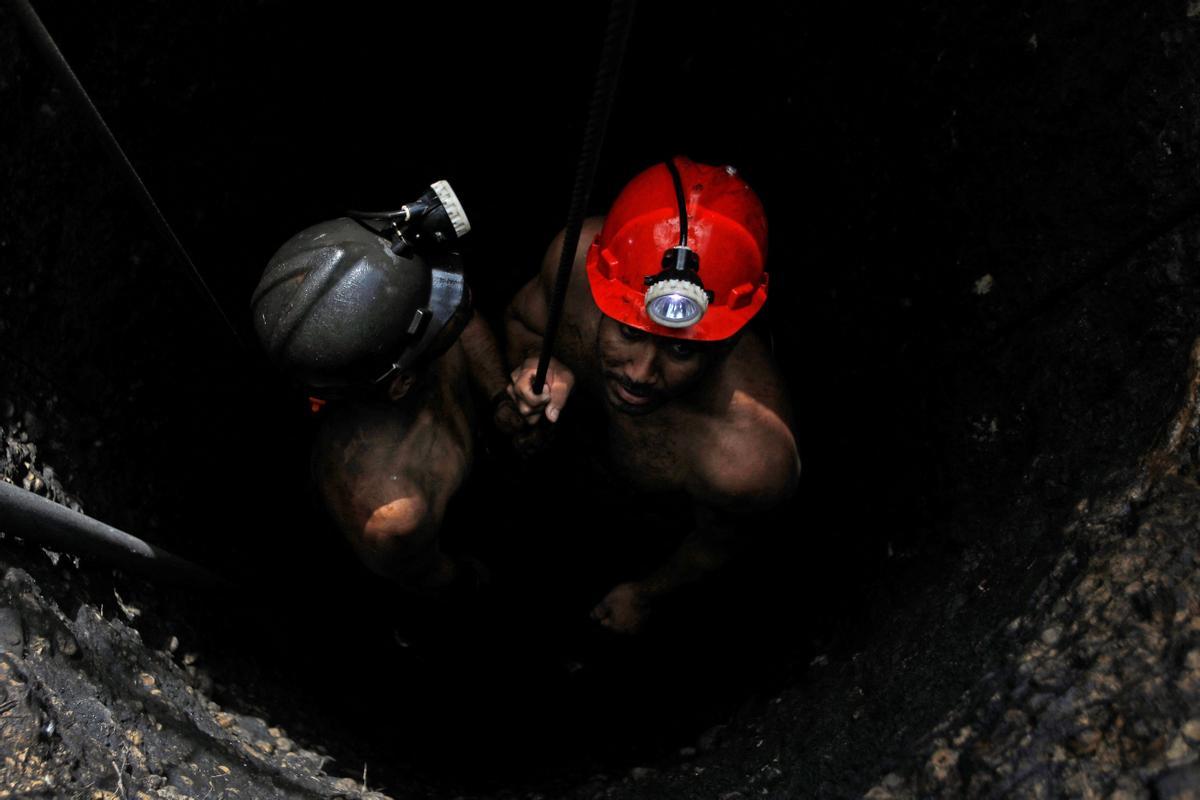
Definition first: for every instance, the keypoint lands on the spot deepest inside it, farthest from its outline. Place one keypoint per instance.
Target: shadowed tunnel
(984, 222)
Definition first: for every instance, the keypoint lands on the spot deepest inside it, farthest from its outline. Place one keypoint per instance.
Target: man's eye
(681, 351)
(632, 334)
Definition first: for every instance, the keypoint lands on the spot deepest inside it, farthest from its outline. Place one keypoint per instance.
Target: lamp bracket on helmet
(434, 327)
(436, 217)
(429, 223)
(676, 297)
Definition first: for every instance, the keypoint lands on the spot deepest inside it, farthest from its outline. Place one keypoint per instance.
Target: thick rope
(616, 36)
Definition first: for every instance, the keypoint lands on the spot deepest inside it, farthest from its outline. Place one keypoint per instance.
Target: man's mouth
(629, 396)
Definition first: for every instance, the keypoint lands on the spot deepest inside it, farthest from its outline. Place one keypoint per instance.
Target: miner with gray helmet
(370, 316)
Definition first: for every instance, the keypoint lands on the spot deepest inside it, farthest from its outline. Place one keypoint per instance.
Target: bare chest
(648, 455)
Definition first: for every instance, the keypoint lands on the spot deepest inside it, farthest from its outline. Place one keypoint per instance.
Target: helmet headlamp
(675, 297)
(676, 303)
(436, 217)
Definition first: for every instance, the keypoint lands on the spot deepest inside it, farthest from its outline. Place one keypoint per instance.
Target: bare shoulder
(587, 235)
(580, 314)
(747, 459)
(366, 453)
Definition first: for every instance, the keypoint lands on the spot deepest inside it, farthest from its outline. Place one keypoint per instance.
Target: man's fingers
(558, 398)
(507, 419)
(533, 405)
(522, 388)
(530, 413)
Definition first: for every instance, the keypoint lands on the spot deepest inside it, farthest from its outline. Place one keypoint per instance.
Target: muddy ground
(986, 587)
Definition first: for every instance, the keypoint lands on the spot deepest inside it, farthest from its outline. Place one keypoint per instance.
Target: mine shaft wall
(984, 286)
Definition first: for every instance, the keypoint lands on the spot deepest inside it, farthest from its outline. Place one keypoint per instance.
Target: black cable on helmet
(683, 220)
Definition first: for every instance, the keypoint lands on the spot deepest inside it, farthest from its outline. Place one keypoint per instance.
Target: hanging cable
(46, 46)
(616, 36)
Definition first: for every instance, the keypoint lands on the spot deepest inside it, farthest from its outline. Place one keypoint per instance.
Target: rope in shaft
(616, 36)
(48, 49)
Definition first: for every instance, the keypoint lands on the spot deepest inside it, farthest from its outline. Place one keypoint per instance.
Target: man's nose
(640, 367)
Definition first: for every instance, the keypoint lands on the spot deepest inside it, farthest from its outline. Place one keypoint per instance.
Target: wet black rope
(616, 36)
(48, 49)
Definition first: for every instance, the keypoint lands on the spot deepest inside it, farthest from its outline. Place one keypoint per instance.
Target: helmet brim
(628, 306)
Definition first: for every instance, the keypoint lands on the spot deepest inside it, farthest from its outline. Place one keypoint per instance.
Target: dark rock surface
(89, 708)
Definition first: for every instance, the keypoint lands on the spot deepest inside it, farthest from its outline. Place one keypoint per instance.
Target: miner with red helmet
(654, 327)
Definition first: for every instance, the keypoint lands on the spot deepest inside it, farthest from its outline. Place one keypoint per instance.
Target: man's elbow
(394, 533)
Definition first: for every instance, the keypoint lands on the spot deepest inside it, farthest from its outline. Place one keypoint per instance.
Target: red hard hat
(727, 228)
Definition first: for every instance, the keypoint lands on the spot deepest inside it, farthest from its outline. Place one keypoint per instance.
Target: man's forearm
(522, 342)
(691, 563)
(487, 370)
(708, 548)
(522, 332)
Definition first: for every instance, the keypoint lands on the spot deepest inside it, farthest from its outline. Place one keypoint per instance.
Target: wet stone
(769, 774)
(65, 643)
(710, 739)
(1087, 741)
(942, 764)
(12, 634)
(1179, 752)
(1181, 783)
(33, 425)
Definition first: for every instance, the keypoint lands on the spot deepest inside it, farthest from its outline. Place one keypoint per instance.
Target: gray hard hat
(342, 305)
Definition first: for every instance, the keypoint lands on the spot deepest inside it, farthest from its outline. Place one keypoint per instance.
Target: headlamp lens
(673, 310)
(676, 303)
